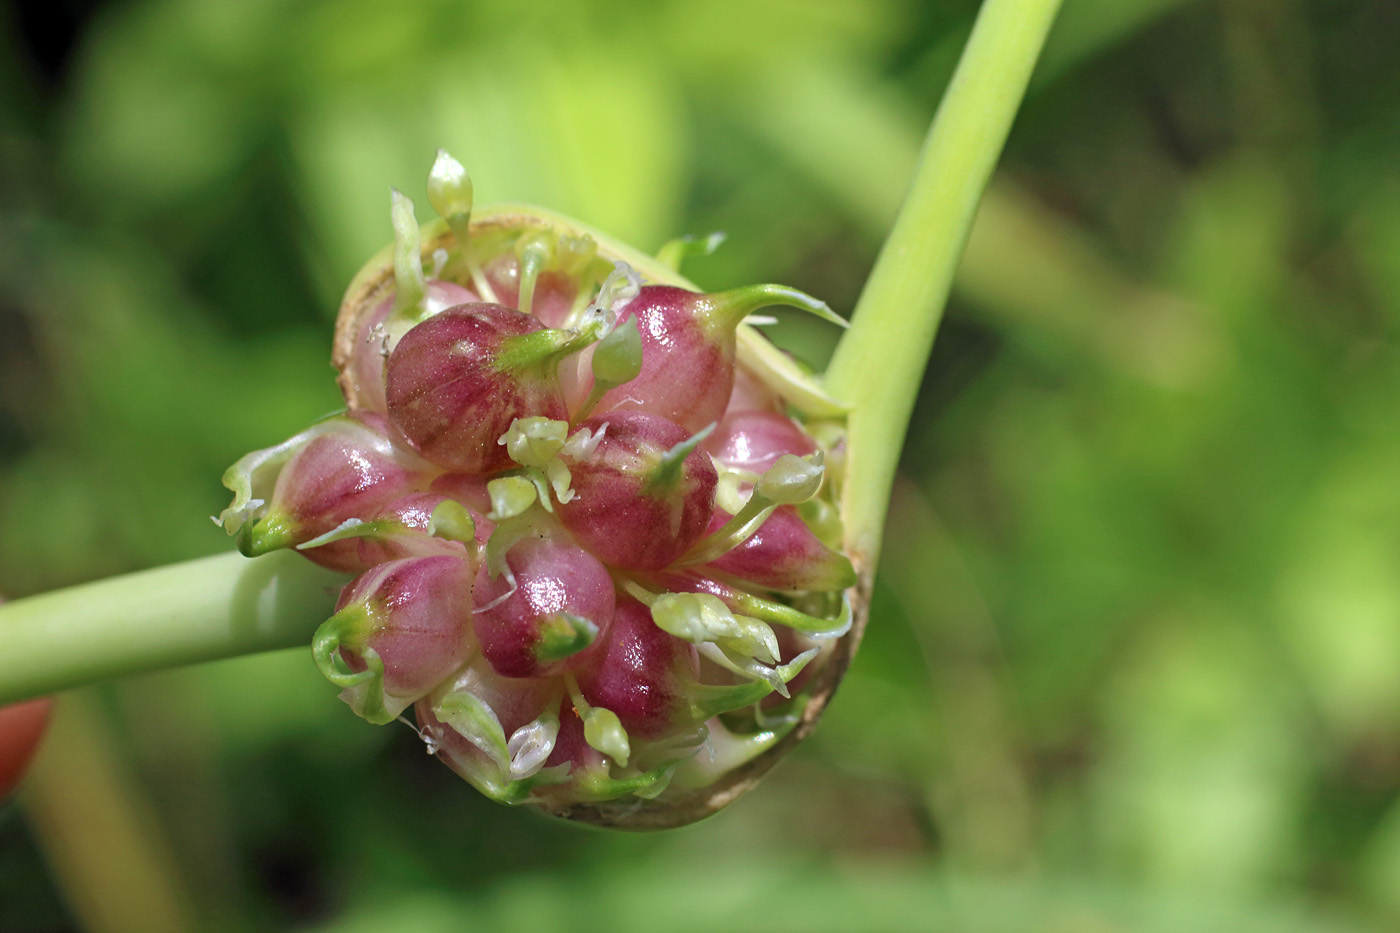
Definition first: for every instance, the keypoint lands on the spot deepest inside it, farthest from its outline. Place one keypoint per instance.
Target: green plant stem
(200, 610)
(879, 364)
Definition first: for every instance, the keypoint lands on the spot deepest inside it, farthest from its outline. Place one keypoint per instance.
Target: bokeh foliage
(1135, 658)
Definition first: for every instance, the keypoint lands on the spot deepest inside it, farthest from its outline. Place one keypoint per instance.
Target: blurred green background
(1134, 663)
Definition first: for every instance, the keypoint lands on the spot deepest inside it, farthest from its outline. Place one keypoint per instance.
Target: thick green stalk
(879, 363)
(200, 610)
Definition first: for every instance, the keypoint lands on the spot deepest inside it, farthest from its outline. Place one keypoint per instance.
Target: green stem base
(879, 364)
(200, 610)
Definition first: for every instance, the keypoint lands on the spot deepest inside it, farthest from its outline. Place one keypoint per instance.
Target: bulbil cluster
(590, 513)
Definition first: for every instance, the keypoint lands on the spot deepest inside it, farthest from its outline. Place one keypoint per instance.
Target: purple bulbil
(458, 380)
(541, 618)
(641, 498)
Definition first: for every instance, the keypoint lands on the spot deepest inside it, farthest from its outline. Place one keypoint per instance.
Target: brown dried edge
(371, 286)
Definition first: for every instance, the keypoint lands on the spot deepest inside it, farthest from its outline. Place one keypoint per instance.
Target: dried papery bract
(609, 582)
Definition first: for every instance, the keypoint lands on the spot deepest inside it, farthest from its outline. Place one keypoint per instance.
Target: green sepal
(726, 751)
(534, 251)
(513, 793)
(745, 665)
(670, 467)
(450, 193)
(729, 491)
(410, 285)
(531, 745)
(519, 790)
(511, 497)
(618, 357)
(540, 350)
(535, 441)
(563, 635)
(272, 532)
(617, 360)
(556, 473)
(362, 691)
(603, 731)
(674, 252)
(741, 644)
(476, 722)
(617, 291)
(824, 518)
(755, 640)
(503, 538)
(597, 785)
(790, 480)
(449, 521)
(705, 701)
(814, 627)
(723, 311)
(694, 617)
(702, 618)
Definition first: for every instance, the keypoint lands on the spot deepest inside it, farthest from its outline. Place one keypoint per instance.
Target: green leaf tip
(728, 309)
(410, 285)
(564, 635)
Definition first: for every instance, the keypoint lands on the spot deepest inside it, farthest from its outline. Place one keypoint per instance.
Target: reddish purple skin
(345, 474)
(415, 511)
(621, 517)
(640, 672)
(366, 364)
(783, 554)
(554, 291)
(687, 369)
(551, 576)
(515, 701)
(451, 400)
(751, 394)
(422, 614)
(754, 440)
